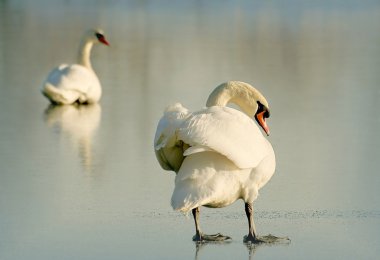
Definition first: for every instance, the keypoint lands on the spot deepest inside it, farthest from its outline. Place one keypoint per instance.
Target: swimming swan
(76, 83)
(218, 153)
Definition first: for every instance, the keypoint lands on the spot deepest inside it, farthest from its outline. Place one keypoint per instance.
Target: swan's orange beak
(104, 41)
(261, 119)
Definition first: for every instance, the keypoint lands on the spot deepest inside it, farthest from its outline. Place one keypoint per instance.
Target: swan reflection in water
(78, 123)
(251, 247)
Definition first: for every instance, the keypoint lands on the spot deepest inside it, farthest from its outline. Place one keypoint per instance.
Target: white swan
(218, 153)
(76, 83)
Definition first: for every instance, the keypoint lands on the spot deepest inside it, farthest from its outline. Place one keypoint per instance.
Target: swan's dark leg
(252, 235)
(199, 236)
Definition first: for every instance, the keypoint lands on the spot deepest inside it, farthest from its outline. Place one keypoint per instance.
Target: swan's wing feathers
(71, 77)
(60, 96)
(170, 158)
(226, 131)
(197, 149)
(168, 148)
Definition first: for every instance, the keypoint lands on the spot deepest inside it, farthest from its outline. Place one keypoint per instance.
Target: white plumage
(218, 153)
(228, 132)
(68, 84)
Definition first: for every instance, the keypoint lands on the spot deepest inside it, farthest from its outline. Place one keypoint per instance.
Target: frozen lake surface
(84, 183)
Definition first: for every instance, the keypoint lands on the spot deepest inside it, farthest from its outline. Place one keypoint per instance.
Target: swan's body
(76, 83)
(218, 153)
(226, 149)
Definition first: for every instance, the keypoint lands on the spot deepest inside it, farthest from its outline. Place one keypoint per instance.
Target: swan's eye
(99, 36)
(266, 114)
(262, 108)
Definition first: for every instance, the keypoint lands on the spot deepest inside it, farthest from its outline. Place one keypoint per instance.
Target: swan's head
(248, 98)
(96, 36)
(253, 103)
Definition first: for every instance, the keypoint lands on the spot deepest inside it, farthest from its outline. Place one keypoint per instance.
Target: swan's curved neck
(238, 93)
(84, 53)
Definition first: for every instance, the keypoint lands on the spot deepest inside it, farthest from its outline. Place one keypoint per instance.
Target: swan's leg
(252, 235)
(199, 236)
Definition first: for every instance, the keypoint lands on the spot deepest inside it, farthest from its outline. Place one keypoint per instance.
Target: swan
(218, 153)
(76, 83)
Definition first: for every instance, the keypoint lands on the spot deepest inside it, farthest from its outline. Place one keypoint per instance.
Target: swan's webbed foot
(210, 238)
(269, 239)
(199, 237)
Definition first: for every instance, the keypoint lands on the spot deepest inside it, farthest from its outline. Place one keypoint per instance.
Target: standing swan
(218, 153)
(76, 83)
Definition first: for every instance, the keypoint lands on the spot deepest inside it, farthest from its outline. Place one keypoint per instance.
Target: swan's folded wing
(226, 131)
(60, 96)
(168, 148)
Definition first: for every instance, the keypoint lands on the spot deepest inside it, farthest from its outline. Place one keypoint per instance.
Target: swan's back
(227, 131)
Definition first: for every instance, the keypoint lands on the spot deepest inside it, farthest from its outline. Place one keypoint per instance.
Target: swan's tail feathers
(59, 96)
(184, 206)
(189, 196)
